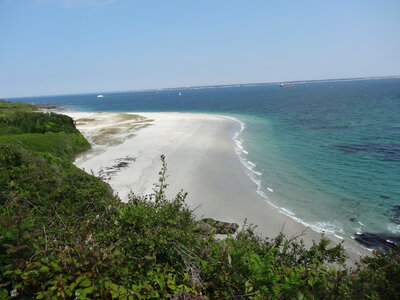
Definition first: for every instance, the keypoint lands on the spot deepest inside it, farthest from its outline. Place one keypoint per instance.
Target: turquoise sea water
(327, 154)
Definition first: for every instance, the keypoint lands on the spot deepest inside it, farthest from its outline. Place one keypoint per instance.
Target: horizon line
(217, 86)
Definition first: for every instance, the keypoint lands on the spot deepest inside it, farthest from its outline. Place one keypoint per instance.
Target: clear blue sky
(77, 46)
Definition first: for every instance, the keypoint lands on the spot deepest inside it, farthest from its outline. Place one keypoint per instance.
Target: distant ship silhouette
(286, 84)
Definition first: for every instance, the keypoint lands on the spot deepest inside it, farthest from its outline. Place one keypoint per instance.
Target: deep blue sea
(327, 153)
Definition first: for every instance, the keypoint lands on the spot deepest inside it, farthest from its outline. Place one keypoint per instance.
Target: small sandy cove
(201, 158)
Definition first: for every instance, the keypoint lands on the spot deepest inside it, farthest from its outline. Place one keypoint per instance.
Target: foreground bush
(151, 248)
(63, 234)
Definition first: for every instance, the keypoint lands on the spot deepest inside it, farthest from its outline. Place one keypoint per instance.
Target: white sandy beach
(201, 158)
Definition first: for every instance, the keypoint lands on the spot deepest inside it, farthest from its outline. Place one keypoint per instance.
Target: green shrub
(89, 245)
(63, 234)
(65, 145)
(10, 107)
(35, 122)
(10, 156)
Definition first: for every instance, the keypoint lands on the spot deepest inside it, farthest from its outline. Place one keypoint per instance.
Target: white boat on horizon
(100, 96)
(282, 84)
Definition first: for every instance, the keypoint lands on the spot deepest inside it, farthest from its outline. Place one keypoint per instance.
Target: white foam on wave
(254, 179)
(248, 164)
(287, 211)
(332, 228)
(327, 227)
(359, 229)
(393, 228)
(251, 164)
(242, 153)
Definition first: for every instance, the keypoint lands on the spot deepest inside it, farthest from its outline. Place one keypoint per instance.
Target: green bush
(63, 234)
(65, 145)
(10, 107)
(10, 156)
(89, 245)
(35, 122)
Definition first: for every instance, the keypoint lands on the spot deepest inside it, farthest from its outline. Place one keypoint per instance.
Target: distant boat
(286, 84)
(180, 94)
(100, 96)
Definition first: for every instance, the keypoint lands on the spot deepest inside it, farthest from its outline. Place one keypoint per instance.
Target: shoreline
(203, 160)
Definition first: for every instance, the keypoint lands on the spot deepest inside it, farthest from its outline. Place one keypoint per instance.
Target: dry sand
(201, 158)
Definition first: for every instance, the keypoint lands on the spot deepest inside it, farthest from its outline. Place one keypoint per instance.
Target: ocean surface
(327, 154)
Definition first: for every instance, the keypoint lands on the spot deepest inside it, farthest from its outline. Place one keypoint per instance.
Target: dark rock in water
(221, 227)
(49, 106)
(353, 219)
(337, 127)
(384, 197)
(378, 241)
(395, 128)
(386, 151)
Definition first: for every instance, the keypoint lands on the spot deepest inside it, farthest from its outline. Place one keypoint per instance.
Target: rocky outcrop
(204, 228)
(378, 241)
(211, 226)
(49, 106)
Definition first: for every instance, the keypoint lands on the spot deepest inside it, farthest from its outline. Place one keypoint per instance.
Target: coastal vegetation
(65, 234)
